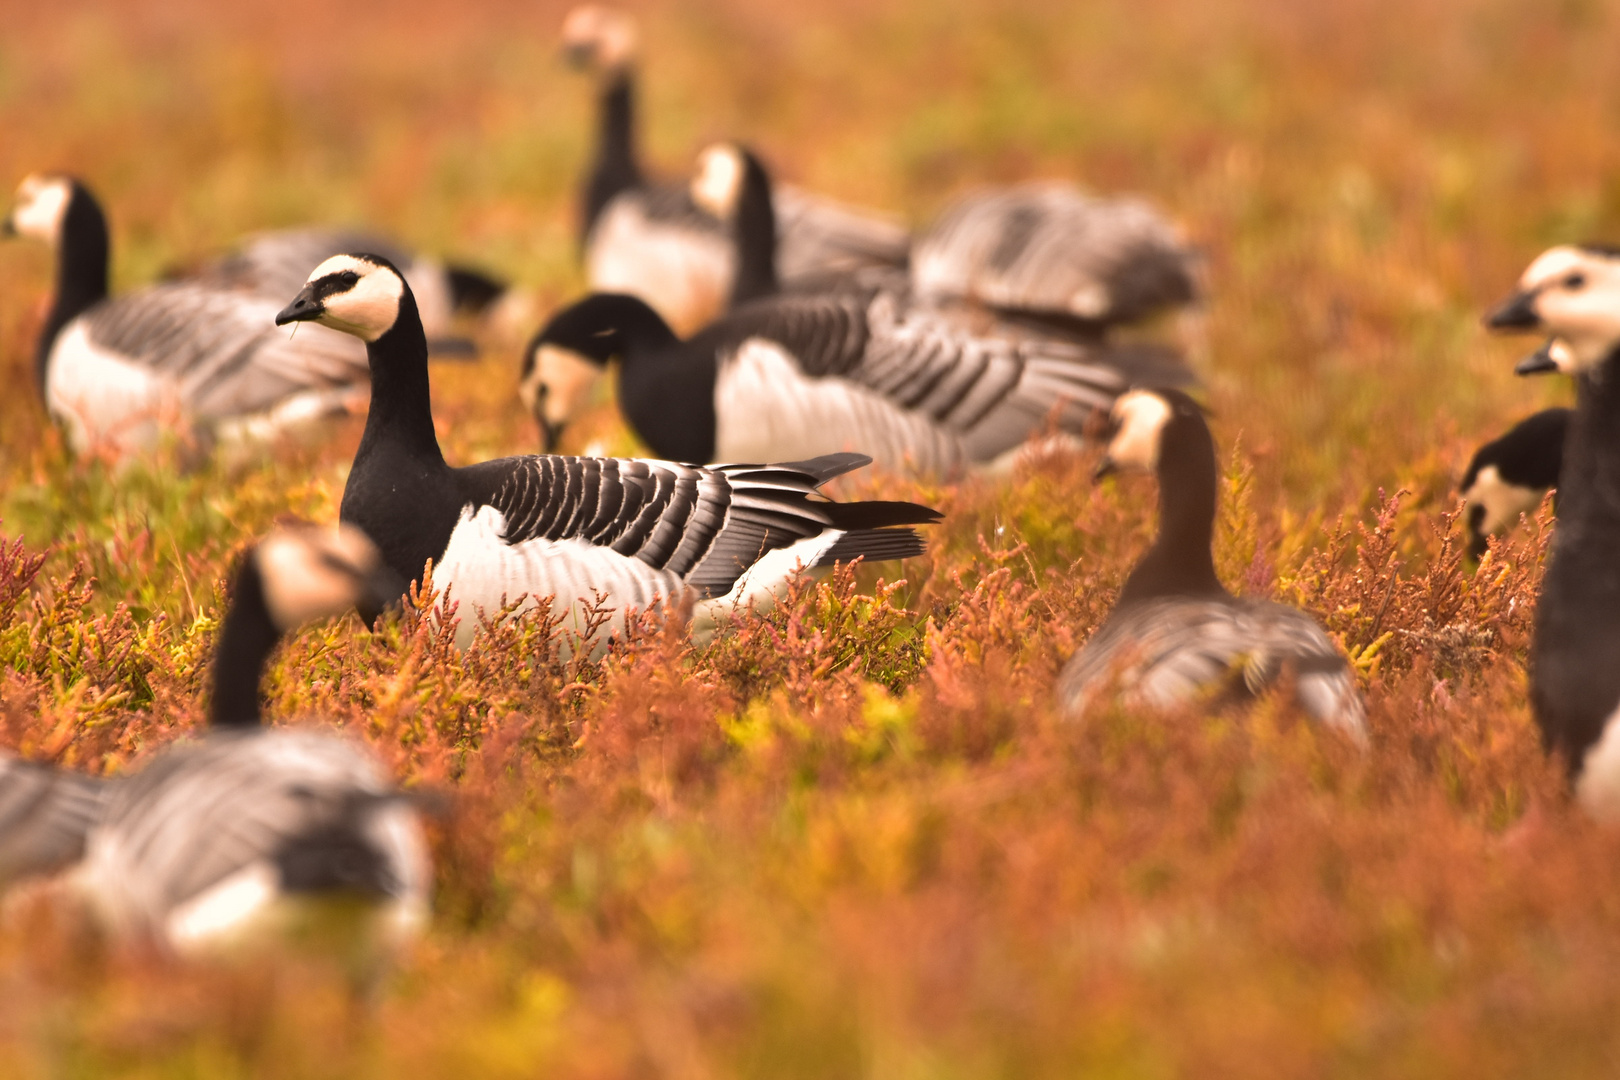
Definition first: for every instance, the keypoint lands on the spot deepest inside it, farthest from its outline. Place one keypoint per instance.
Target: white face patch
(42, 203)
(606, 36)
(1140, 417)
(1578, 298)
(369, 307)
(556, 387)
(1503, 502)
(717, 187)
(311, 573)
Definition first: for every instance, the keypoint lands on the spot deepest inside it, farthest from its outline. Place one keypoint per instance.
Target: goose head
(41, 206)
(566, 358)
(309, 572)
(1139, 423)
(1574, 293)
(357, 294)
(599, 38)
(294, 575)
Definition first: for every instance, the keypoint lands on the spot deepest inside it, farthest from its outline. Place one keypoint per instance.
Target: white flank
(226, 910)
(1598, 787)
(763, 584)
(108, 404)
(481, 569)
(303, 415)
(1503, 501)
(767, 409)
(684, 274)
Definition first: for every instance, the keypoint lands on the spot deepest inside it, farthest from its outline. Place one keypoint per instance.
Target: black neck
(81, 272)
(666, 387)
(246, 641)
(755, 229)
(1180, 562)
(615, 169)
(401, 414)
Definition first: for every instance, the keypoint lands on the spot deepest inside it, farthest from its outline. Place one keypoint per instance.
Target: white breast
(483, 572)
(767, 409)
(107, 404)
(685, 275)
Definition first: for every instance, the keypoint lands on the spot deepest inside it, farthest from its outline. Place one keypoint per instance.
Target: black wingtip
(874, 545)
(877, 514)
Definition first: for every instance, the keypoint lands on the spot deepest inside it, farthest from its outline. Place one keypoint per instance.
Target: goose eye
(1575, 281)
(348, 278)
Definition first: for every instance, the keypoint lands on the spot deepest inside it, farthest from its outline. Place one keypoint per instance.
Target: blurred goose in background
(650, 240)
(245, 831)
(1574, 294)
(1175, 634)
(1048, 251)
(274, 264)
(1511, 474)
(853, 362)
(187, 358)
(640, 533)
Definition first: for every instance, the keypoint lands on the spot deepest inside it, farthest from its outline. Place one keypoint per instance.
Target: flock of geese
(767, 341)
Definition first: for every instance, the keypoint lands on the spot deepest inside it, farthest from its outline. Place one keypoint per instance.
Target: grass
(852, 838)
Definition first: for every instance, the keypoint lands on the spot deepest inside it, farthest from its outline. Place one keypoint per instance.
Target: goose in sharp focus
(1510, 475)
(641, 532)
(1175, 634)
(857, 362)
(650, 240)
(250, 830)
(1574, 293)
(184, 358)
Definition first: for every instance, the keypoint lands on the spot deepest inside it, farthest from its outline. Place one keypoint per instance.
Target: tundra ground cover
(852, 837)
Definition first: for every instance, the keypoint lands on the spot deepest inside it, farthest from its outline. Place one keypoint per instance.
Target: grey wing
(45, 816)
(1290, 640)
(1172, 651)
(992, 390)
(1162, 653)
(706, 524)
(817, 236)
(1048, 247)
(944, 381)
(276, 263)
(222, 348)
(199, 813)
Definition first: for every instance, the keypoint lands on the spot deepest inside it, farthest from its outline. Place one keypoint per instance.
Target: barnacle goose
(1176, 633)
(640, 532)
(857, 362)
(185, 357)
(274, 264)
(1510, 475)
(1050, 251)
(1574, 293)
(649, 239)
(248, 829)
